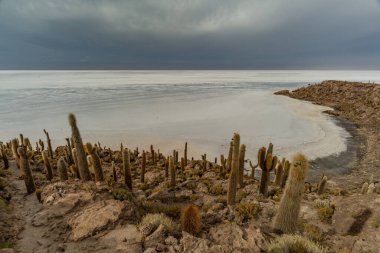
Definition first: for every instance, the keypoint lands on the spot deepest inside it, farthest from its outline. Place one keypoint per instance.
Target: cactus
(25, 168)
(231, 195)
(3, 155)
(50, 149)
(364, 188)
(27, 144)
(185, 154)
(172, 171)
(16, 156)
(241, 165)
(62, 169)
(49, 172)
(143, 164)
(21, 140)
(286, 219)
(70, 149)
(191, 219)
(82, 165)
(253, 168)
(182, 164)
(96, 163)
(229, 158)
(127, 169)
(204, 159)
(285, 173)
(41, 144)
(322, 185)
(222, 168)
(279, 173)
(267, 163)
(75, 159)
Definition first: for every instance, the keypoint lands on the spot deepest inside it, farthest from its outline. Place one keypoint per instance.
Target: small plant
(6, 245)
(294, 244)
(122, 194)
(157, 219)
(313, 232)
(171, 210)
(247, 210)
(375, 223)
(191, 220)
(217, 189)
(325, 213)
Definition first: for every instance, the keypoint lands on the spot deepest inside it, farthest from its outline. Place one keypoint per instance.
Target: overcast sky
(190, 34)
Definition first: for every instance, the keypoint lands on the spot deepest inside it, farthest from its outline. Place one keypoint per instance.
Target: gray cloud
(189, 34)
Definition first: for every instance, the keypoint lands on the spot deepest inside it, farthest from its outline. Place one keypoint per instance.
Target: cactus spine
(172, 171)
(231, 195)
(80, 154)
(267, 163)
(96, 163)
(50, 149)
(143, 165)
(322, 185)
(25, 168)
(190, 219)
(62, 169)
(241, 165)
(127, 169)
(286, 219)
(185, 154)
(49, 172)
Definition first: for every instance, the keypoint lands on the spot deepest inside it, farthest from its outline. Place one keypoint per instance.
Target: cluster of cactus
(95, 162)
(3, 155)
(50, 149)
(286, 219)
(267, 163)
(25, 168)
(368, 188)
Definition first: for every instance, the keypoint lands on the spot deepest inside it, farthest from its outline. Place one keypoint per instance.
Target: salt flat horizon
(169, 108)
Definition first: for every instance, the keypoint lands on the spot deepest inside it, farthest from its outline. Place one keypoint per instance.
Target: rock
(156, 237)
(171, 241)
(126, 238)
(283, 92)
(150, 250)
(94, 218)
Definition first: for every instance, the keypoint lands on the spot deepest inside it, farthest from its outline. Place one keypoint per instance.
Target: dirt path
(25, 207)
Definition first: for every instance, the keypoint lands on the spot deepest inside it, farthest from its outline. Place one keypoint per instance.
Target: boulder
(94, 218)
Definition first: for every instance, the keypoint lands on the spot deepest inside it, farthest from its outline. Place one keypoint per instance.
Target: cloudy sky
(189, 34)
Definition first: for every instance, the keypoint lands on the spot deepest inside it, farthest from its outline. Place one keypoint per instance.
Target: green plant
(191, 219)
(6, 245)
(294, 244)
(172, 210)
(325, 213)
(375, 223)
(217, 189)
(267, 163)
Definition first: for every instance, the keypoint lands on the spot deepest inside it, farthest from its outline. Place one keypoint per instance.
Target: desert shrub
(217, 189)
(325, 213)
(3, 204)
(157, 219)
(222, 199)
(6, 245)
(294, 244)
(375, 223)
(240, 195)
(313, 232)
(122, 194)
(171, 210)
(247, 210)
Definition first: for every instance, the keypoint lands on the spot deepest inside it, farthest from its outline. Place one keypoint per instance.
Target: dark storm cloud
(189, 34)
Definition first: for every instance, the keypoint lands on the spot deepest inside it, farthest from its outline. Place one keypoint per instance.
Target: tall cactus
(25, 168)
(96, 163)
(49, 172)
(279, 173)
(84, 172)
(62, 169)
(229, 158)
(127, 169)
(222, 168)
(75, 159)
(241, 165)
(50, 149)
(41, 144)
(285, 173)
(286, 219)
(185, 154)
(231, 195)
(267, 163)
(143, 165)
(322, 185)
(3, 155)
(172, 171)
(16, 156)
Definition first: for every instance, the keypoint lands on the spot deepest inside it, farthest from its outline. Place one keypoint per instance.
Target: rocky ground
(83, 216)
